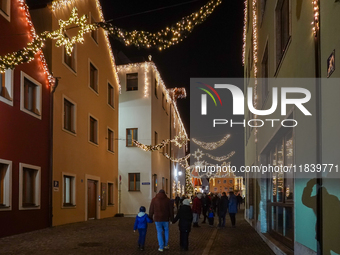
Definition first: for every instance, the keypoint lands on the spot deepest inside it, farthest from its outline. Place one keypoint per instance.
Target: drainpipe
(319, 209)
(50, 175)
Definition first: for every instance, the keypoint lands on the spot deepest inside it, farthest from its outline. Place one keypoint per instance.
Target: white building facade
(149, 115)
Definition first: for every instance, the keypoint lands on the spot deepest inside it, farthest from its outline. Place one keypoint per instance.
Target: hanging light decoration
(211, 146)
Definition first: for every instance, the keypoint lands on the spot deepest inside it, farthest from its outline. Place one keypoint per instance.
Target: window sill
(95, 144)
(94, 91)
(111, 106)
(33, 207)
(111, 152)
(68, 206)
(69, 132)
(134, 190)
(110, 205)
(70, 68)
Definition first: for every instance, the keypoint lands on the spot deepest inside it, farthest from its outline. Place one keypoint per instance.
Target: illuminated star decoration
(63, 40)
(198, 154)
(180, 140)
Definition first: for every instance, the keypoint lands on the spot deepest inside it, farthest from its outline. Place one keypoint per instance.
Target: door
(91, 199)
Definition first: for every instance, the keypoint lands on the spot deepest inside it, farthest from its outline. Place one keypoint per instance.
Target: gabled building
(85, 117)
(149, 115)
(25, 128)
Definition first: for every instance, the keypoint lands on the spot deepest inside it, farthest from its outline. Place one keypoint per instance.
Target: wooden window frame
(134, 180)
(93, 77)
(95, 135)
(110, 194)
(127, 140)
(72, 192)
(110, 95)
(36, 186)
(110, 144)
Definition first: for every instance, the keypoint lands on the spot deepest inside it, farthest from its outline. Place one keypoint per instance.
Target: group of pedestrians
(162, 212)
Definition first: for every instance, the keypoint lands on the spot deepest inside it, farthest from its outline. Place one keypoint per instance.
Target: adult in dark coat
(222, 210)
(184, 216)
(232, 208)
(177, 200)
(197, 208)
(239, 200)
(206, 202)
(162, 211)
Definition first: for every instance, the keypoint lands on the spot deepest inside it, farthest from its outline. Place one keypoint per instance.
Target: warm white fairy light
(316, 11)
(212, 145)
(245, 31)
(152, 66)
(222, 158)
(176, 160)
(146, 81)
(198, 154)
(255, 48)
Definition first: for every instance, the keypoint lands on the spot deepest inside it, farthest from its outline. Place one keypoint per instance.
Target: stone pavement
(115, 236)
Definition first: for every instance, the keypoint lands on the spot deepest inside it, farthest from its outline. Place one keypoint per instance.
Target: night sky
(213, 49)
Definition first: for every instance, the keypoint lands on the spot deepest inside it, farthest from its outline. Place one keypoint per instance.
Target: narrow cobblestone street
(115, 236)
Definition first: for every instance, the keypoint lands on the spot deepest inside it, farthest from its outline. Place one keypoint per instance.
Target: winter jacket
(232, 204)
(184, 216)
(142, 220)
(206, 202)
(197, 205)
(211, 213)
(223, 205)
(161, 208)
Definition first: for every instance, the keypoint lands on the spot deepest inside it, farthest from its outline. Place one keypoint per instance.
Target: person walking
(141, 223)
(185, 218)
(239, 200)
(177, 200)
(211, 216)
(214, 202)
(222, 210)
(205, 206)
(161, 211)
(232, 208)
(196, 209)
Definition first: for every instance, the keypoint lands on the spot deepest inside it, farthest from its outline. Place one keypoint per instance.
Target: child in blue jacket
(211, 216)
(141, 223)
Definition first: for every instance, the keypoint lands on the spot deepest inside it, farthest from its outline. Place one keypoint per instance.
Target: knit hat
(161, 191)
(142, 209)
(186, 202)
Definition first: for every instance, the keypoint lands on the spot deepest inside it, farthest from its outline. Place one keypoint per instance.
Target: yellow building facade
(85, 119)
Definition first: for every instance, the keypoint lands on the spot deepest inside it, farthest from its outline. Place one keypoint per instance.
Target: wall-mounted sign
(145, 183)
(56, 185)
(331, 64)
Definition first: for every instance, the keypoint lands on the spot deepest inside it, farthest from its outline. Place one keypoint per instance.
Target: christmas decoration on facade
(189, 188)
(178, 159)
(222, 158)
(315, 23)
(212, 145)
(162, 39)
(198, 154)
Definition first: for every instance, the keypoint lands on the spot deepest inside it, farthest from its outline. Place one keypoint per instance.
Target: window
(93, 78)
(71, 60)
(5, 184)
(110, 197)
(6, 87)
(131, 81)
(134, 182)
(110, 95)
(31, 94)
(131, 134)
(110, 140)
(224, 181)
(156, 88)
(280, 187)
(29, 189)
(218, 181)
(5, 9)
(93, 130)
(155, 183)
(156, 138)
(231, 181)
(231, 189)
(69, 190)
(94, 33)
(282, 28)
(265, 74)
(69, 116)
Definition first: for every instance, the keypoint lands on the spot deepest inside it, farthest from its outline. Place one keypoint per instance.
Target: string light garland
(245, 31)
(315, 23)
(222, 158)
(151, 147)
(27, 54)
(212, 145)
(167, 37)
(167, 92)
(178, 159)
(255, 48)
